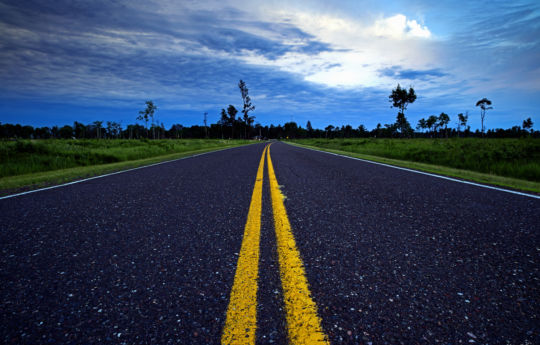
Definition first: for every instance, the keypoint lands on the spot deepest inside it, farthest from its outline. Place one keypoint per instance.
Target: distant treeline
(113, 130)
(231, 126)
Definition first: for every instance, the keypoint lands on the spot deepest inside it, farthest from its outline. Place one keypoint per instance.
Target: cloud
(397, 72)
(122, 50)
(399, 27)
(359, 49)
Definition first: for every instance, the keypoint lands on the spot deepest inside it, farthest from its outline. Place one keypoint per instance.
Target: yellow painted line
(241, 321)
(304, 325)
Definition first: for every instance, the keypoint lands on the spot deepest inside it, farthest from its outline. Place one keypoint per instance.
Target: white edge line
(424, 173)
(114, 173)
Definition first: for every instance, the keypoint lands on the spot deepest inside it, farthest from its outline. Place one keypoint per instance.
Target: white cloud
(398, 27)
(361, 49)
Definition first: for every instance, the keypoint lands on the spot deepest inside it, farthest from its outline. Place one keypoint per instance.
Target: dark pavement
(148, 256)
(401, 258)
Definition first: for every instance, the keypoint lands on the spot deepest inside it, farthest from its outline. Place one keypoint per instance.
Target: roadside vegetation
(27, 162)
(47, 155)
(517, 159)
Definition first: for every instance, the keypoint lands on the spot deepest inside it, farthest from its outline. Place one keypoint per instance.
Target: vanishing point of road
(270, 244)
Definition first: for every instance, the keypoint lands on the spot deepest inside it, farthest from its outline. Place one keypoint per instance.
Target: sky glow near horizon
(330, 63)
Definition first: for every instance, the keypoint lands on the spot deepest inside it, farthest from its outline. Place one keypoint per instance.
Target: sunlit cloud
(358, 49)
(399, 27)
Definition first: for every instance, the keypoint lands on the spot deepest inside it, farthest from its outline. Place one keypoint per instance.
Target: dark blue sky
(63, 61)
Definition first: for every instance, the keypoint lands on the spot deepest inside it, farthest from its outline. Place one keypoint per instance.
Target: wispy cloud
(409, 74)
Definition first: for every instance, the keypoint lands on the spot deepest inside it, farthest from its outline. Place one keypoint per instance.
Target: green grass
(34, 163)
(513, 163)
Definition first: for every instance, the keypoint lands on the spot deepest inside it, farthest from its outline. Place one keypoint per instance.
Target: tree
(98, 128)
(109, 130)
(146, 114)
(329, 129)
(224, 120)
(462, 120)
(249, 121)
(402, 124)
(66, 132)
(79, 129)
(247, 106)
(362, 131)
(527, 124)
(484, 104)
(309, 128)
(400, 99)
(206, 125)
(422, 124)
(176, 130)
(431, 122)
(114, 129)
(443, 121)
(231, 110)
(378, 130)
(390, 130)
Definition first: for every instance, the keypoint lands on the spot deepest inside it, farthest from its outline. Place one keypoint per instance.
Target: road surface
(383, 256)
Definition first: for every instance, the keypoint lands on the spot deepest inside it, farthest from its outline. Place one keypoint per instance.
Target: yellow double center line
(303, 323)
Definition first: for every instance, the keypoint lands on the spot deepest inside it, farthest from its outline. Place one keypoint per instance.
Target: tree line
(437, 126)
(231, 126)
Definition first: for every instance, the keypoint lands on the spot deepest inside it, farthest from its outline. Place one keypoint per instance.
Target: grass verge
(495, 180)
(24, 182)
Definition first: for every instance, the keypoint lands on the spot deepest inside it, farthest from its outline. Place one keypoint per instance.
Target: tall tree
(231, 110)
(401, 98)
(146, 114)
(528, 124)
(443, 121)
(247, 106)
(484, 105)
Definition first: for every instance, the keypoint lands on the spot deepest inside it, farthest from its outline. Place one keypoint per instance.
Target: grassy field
(512, 163)
(45, 162)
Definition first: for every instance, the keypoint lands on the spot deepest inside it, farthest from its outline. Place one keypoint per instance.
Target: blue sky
(330, 62)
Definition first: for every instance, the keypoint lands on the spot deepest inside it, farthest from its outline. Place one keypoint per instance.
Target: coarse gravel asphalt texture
(148, 256)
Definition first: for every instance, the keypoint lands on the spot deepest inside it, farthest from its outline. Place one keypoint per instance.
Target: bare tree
(247, 106)
(147, 114)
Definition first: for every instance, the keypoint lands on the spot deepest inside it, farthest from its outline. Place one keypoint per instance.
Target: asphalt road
(149, 256)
